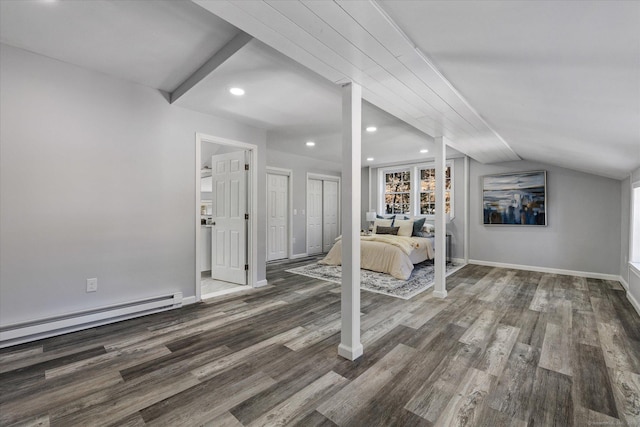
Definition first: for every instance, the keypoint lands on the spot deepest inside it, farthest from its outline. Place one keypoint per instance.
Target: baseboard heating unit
(37, 329)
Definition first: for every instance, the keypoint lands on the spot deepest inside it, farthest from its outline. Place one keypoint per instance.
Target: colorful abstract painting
(518, 198)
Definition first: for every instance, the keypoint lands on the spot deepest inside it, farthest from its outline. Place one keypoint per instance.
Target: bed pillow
(381, 223)
(387, 230)
(429, 228)
(406, 227)
(418, 223)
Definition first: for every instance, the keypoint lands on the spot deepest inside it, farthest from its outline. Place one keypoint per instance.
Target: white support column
(350, 346)
(467, 184)
(440, 262)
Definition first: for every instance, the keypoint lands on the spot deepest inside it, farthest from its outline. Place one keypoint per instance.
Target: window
(411, 190)
(428, 191)
(634, 256)
(397, 192)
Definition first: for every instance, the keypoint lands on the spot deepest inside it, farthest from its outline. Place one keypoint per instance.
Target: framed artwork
(516, 198)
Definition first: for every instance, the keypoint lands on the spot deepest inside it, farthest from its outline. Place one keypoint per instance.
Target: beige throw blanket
(406, 244)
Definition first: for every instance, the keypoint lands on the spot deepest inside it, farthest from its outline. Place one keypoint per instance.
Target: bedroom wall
(300, 166)
(456, 226)
(96, 180)
(583, 232)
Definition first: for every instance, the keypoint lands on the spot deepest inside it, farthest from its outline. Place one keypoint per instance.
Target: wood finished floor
(506, 348)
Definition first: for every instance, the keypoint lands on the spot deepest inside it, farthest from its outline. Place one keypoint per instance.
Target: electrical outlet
(92, 285)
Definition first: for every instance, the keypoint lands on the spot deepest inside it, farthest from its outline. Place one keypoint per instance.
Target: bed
(394, 255)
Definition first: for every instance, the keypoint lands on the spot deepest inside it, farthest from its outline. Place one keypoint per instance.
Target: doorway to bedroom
(222, 218)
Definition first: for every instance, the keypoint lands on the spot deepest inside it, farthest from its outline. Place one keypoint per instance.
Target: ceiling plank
(226, 52)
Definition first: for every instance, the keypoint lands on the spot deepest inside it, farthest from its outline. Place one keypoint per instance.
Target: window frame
(634, 224)
(414, 194)
(384, 193)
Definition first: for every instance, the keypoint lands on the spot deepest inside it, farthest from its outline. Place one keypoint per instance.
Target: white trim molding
(298, 256)
(252, 206)
(590, 275)
(261, 283)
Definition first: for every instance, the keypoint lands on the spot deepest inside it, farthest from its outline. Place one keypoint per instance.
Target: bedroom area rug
(421, 278)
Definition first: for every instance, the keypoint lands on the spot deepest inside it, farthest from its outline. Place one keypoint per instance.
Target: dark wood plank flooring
(505, 348)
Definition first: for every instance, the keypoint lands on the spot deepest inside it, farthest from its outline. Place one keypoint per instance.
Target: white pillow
(429, 228)
(406, 227)
(381, 223)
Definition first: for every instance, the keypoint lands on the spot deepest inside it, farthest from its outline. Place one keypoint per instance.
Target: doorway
(278, 213)
(225, 245)
(323, 212)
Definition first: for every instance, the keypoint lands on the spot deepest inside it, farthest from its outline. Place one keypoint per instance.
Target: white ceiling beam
(218, 58)
(356, 41)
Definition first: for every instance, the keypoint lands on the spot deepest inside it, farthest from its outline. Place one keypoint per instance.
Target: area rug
(421, 278)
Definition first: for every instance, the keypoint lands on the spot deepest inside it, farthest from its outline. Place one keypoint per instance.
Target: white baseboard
(261, 283)
(587, 274)
(625, 285)
(296, 256)
(189, 300)
(457, 260)
(634, 302)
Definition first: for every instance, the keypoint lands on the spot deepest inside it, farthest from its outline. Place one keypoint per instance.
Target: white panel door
(314, 216)
(329, 214)
(277, 216)
(228, 232)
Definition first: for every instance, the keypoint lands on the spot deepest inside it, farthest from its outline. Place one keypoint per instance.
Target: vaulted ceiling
(556, 82)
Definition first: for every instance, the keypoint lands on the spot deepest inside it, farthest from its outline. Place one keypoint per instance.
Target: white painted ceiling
(556, 82)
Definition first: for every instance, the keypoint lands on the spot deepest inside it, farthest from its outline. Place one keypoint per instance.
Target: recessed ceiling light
(310, 143)
(371, 129)
(424, 150)
(369, 159)
(236, 91)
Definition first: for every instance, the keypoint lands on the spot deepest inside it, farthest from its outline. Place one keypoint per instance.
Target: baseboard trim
(586, 274)
(634, 302)
(189, 300)
(349, 352)
(457, 260)
(296, 256)
(440, 294)
(625, 285)
(261, 283)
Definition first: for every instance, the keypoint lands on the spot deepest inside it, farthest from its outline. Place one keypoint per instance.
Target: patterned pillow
(387, 230)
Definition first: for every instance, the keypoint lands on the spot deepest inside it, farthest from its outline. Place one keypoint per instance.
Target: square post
(350, 346)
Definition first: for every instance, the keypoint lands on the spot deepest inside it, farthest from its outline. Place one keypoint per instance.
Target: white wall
(583, 232)
(96, 180)
(300, 166)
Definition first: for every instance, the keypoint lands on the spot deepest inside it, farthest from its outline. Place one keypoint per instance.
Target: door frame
(289, 174)
(252, 206)
(321, 177)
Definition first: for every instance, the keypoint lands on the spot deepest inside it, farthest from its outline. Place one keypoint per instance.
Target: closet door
(277, 216)
(329, 214)
(314, 216)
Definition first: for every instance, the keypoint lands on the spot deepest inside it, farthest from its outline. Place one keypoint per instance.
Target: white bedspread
(394, 255)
